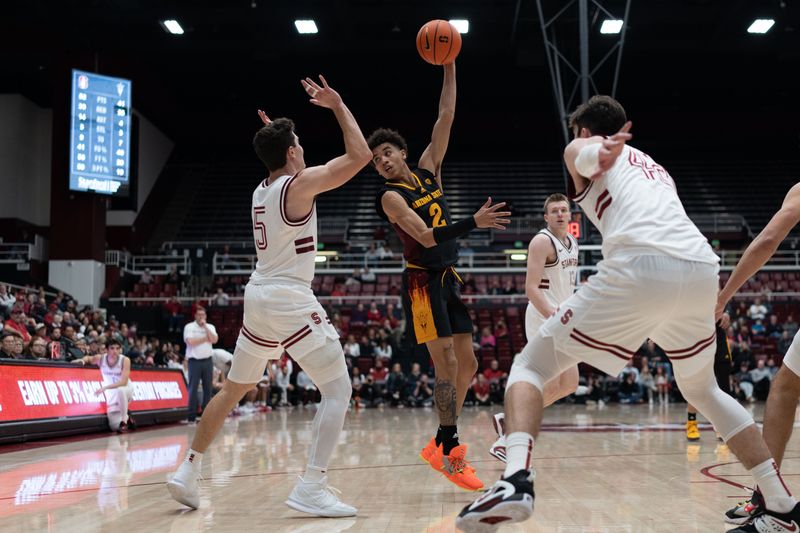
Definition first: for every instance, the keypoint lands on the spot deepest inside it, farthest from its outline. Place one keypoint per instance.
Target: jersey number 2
(435, 210)
(259, 228)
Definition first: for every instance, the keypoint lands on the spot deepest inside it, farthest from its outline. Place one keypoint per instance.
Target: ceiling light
(519, 257)
(462, 25)
(611, 26)
(305, 26)
(760, 26)
(172, 26)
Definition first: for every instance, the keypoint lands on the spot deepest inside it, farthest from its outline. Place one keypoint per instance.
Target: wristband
(454, 231)
(587, 161)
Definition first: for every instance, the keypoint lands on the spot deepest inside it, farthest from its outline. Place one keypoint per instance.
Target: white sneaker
(183, 486)
(318, 499)
(498, 449)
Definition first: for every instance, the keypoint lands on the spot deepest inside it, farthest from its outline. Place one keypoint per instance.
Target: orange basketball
(438, 42)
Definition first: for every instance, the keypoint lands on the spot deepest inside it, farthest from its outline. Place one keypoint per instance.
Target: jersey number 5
(259, 229)
(435, 210)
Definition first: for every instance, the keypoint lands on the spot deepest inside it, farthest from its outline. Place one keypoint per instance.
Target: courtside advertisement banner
(40, 392)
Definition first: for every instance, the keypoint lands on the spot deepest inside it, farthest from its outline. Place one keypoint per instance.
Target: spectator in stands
(8, 346)
(395, 385)
(16, 324)
(220, 298)
(172, 310)
(354, 280)
(743, 356)
(495, 288)
(757, 311)
(758, 328)
(6, 299)
(647, 382)
(791, 326)
(146, 277)
(379, 374)
(469, 284)
(500, 329)
(784, 342)
(761, 378)
(357, 381)
(662, 384)
(351, 347)
(496, 379)
(359, 316)
(487, 339)
(394, 314)
(367, 276)
(383, 351)
(40, 331)
(773, 369)
(629, 389)
(371, 257)
(374, 317)
(38, 348)
(508, 287)
(283, 384)
(422, 396)
(306, 388)
(742, 384)
(481, 390)
(200, 337)
(774, 329)
(743, 336)
(466, 253)
(174, 277)
(411, 384)
(366, 347)
(225, 257)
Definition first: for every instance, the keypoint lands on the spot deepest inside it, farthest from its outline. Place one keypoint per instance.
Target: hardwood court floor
(616, 469)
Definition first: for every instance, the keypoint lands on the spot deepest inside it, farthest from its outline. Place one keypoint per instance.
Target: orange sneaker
(456, 468)
(428, 450)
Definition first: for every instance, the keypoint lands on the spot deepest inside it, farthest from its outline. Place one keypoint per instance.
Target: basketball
(438, 42)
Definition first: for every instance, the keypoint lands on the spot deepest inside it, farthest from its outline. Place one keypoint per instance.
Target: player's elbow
(426, 239)
(447, 114)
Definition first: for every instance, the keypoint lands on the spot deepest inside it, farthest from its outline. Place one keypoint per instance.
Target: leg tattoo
(445, 397)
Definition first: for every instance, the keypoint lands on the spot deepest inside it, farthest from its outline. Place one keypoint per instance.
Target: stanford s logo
(315, 317)
(566, 316)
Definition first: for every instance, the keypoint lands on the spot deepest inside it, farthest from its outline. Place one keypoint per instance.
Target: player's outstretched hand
(323, 96)
(488, 215)
(610, 149)
(264, 118)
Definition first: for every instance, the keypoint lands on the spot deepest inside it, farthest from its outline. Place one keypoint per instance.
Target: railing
(722, 223)
(22, 253)
(26, 289)
(781, 260)
(182, 245)
(157, 264)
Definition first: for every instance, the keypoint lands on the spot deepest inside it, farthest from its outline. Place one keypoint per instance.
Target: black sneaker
(771, 522)
(123, 428)
(509, 500)
(131, 422)
(746, 510)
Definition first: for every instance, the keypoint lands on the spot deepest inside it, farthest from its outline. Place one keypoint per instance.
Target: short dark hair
(555, 197)
(385, 135)
(272, 141)
(112, 342)
(601, 115)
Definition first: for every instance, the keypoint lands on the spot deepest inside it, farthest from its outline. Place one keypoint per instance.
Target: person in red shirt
(173, 310)
(16, 324)
(481, 390)
(374, 317)
(379, 374)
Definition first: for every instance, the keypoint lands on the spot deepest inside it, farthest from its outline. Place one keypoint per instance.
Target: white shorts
(280, 318)
(533, 321)
(631, 299)
(792, 357)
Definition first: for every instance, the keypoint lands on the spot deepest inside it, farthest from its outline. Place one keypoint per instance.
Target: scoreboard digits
(99, 133)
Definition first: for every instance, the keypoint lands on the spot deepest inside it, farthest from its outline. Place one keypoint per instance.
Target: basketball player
(280, 310)
(722, 371)
(117, 387)
(413, 202)
(785, 390)
(652, 253)
(551, 279)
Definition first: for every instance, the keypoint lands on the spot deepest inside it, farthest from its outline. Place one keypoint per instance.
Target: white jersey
(635, 206)
(558, 280)
(285, 247)
(111, 374)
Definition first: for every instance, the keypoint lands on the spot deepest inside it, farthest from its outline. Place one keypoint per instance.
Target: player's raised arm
(540, 250)
(762, 247)
(337, 171)
(399, 213)
(591, 157)
(431, 159)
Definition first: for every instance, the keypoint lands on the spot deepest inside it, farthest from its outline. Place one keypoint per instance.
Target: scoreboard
(100, 131)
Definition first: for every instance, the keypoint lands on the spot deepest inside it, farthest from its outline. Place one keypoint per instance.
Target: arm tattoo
(444, 394)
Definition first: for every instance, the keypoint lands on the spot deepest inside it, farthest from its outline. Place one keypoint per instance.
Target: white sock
(519, 450)
(193, 459)
(314, 474)
(769, 481)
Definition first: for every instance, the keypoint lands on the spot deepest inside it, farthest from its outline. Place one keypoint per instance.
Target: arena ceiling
(691, 76)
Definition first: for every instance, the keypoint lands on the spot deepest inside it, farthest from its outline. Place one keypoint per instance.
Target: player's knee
(445, 360)
(521, 373)
(786, 382)
(468, 366)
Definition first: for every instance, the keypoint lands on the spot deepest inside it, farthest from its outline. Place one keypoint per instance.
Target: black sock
(449, 438)
(439, 436)
(691, 416)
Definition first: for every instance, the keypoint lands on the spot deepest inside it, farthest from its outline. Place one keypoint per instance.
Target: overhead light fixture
(610, 26)
(761, 26)
(305, 26)
(462, 25)
(172, 26)
(519, 257)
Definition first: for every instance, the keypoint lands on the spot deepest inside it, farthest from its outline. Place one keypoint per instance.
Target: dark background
(694, 82)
